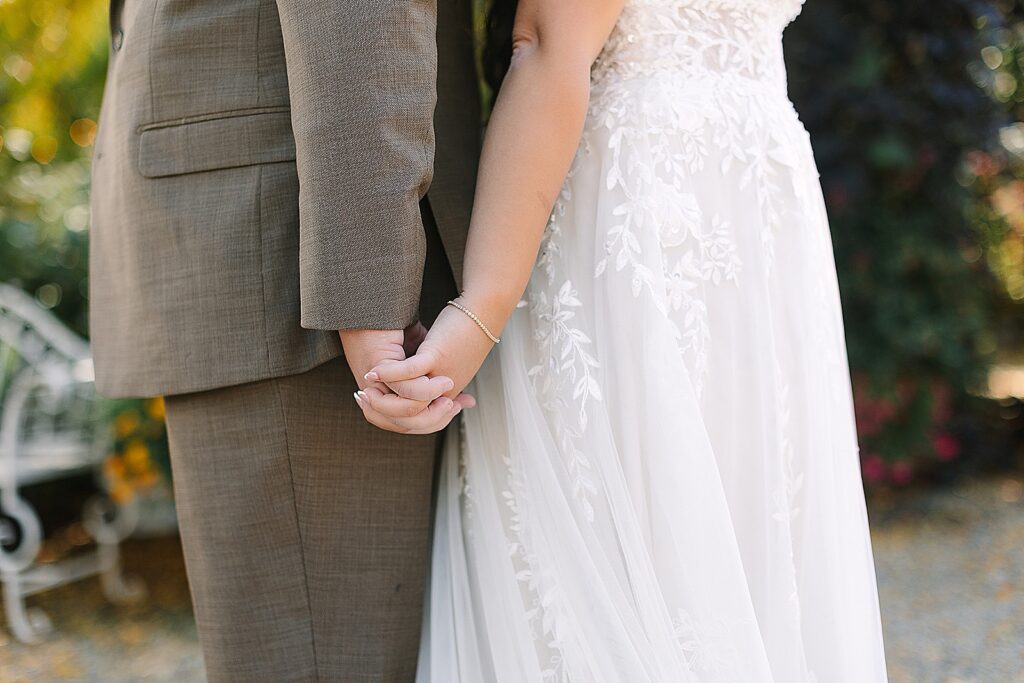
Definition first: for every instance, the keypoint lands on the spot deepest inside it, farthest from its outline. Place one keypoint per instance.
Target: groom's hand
(455, 347)
(415, 407)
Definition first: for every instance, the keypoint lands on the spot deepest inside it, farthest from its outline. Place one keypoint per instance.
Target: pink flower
(874, 468)
(872, 414)
(946, 447)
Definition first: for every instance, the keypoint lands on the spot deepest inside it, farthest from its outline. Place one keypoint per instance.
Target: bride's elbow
(560, 34)
(556, 56)
(524, 44)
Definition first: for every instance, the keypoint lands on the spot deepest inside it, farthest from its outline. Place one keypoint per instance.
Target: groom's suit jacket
(257, 182)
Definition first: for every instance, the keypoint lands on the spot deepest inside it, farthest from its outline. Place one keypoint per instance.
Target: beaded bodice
(700, 40)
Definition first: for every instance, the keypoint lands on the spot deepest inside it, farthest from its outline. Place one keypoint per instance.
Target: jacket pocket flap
(220, 141)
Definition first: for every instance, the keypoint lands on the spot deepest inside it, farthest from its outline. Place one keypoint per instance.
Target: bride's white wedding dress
(660, 482)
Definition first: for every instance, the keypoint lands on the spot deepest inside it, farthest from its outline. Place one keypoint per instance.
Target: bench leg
(20, 540)
(109, 524)
(28, 624)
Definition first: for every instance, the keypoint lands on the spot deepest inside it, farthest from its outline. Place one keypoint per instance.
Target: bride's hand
(454, 347)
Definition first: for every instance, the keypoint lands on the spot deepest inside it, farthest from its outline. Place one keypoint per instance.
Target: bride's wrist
(492, 309)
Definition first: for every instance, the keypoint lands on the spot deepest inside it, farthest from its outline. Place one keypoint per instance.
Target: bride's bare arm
(533, 134)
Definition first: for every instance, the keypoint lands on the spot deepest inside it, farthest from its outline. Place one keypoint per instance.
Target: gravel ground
(951, 581)
(950, 568)
(98, 642)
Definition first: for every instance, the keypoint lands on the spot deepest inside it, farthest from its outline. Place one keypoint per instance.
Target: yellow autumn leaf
(121, 493)
(113, 467)
(136, 456)
(155, 408)
(126, 423)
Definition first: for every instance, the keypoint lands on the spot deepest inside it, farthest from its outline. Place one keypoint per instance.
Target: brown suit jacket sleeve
(362, 84)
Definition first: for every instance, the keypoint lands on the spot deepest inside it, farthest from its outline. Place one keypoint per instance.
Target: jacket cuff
(379, 293)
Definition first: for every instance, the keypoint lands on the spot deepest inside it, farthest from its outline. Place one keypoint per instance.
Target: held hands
(419, 405)
(452, 352)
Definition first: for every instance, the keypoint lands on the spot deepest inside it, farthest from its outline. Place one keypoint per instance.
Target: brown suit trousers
(305, 553)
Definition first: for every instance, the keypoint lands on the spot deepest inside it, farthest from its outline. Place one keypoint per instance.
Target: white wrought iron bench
(48, 431)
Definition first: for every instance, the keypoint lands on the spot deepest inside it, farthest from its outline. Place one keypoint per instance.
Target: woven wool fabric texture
(305, 530)
(257, 183)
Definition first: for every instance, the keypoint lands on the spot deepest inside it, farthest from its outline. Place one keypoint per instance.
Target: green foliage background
(53, 54)
(912, 108)
(908, 105)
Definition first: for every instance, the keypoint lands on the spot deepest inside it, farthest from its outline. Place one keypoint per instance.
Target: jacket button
(117, 40)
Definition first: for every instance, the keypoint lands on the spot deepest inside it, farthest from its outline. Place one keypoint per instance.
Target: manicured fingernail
(362, 394)
(449, 385)
(355, 395)
(371, 376)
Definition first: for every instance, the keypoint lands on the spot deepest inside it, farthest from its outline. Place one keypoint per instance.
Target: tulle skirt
(660, 481)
